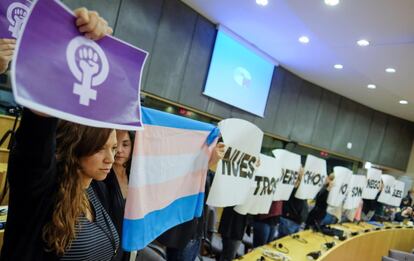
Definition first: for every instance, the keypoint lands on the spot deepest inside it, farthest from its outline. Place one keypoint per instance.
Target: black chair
(400, 255)
(386, 258)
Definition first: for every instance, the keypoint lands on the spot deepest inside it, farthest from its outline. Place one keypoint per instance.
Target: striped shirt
(96, 240)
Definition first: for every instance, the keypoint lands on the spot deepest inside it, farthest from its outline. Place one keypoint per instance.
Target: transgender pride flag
(168, 174)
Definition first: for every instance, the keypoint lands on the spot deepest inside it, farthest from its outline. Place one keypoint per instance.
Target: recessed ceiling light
(390, 70)
(331, 2)
(403, 102)
(262, 2)
(338, 66)
(304, 39)
(363, 42)
(371, 86)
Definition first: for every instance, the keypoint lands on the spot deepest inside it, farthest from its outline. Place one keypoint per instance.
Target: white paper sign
(289, 166)
(340, 186)
(313, 178)
(397, 193)
(235, 172)
(261, 194)
(373, 184)
(354, 195)
(386, 193)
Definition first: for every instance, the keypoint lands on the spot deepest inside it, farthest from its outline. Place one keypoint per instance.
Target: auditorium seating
(401, 255)
(386, 258)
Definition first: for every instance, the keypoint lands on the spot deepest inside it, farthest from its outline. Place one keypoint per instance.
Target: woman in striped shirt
(53, 212)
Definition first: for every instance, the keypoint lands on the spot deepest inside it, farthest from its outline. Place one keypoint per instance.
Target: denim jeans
(329, 219)
(188, 253)
(262, 233)
(287, 227)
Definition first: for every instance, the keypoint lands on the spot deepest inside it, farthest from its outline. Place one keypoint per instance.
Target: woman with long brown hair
(113, 190)
(53, 212)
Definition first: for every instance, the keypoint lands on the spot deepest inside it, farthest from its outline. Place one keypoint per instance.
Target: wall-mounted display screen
(238, 76)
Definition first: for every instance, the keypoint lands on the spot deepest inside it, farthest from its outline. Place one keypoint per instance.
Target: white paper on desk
(313, 178)
(386, 194)
(340, 186)
(235, 173)
(289, 166)
(373, 184)
(397, 193)
(354, 195)
(261, 193)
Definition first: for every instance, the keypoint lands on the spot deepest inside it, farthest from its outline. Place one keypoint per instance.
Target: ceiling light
(331, 2)
(338, 66)
(262, 2)
(371, 86)
(363, 42)
(390, 70)
(403, 102)
(304, 39)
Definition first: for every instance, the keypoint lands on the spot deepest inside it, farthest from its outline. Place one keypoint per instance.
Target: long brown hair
(74, 141)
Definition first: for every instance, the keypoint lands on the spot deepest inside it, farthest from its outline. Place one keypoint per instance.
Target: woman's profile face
(124, 147)
(98, 165)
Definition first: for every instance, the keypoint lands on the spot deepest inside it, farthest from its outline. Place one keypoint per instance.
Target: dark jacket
(110, 195)
(33, 179)
(295, 209)
(319, 210)
(232, 224)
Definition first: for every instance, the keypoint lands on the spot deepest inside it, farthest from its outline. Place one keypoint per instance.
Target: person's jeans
(262, 233)
(328, 219)
(287, 227)
(230, 247)
(188, 253)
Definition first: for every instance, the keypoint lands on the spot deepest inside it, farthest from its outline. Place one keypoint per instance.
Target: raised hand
(7, 47)
(91, 24)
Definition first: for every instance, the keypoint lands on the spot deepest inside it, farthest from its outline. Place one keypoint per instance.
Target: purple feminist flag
(59, 72)
(12, 16)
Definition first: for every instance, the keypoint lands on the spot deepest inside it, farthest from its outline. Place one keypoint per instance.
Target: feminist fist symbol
(16, 13)
(89, 65)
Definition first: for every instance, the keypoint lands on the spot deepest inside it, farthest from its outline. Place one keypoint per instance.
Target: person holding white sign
(53, 212)
(318, 212)
(369, 206)
(294, 212)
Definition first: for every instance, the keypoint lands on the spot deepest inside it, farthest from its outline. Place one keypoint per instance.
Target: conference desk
(365, 246)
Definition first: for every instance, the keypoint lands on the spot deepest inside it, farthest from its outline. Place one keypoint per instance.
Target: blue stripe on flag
(159, 118)
(138, 233)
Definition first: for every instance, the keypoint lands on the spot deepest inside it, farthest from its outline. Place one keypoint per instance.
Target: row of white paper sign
(239, 182)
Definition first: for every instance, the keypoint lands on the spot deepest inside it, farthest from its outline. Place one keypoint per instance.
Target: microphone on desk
(314, 255)
(329, 245)
(298, 238)
(279, 247)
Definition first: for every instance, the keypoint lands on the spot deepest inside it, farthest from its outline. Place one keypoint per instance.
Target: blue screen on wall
(238, 76)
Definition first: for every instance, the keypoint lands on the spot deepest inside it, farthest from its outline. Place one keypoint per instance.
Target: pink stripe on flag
(144, 200)
(168, 141)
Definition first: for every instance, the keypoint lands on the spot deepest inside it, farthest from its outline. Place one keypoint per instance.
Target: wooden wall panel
(375, 137)
(306, 113)
(197, 66)
(325, 120)
(343, 126)
(287, 105)
(171, 50)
